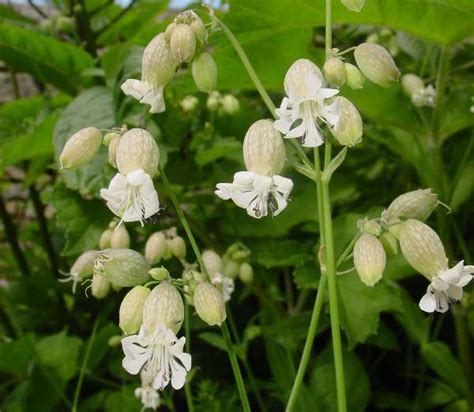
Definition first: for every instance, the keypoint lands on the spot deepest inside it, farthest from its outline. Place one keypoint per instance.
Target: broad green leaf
(50, 60)
(83, 220)
(9, 14)
(278, 253)
(16, 355)
(439, 357)
(437, 395)
(227, 147)
(307, 275)
(360, 306)
(391, 401)
(214, 340)
(123, 400)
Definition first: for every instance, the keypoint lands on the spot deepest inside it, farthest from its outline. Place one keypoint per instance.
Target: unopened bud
(372, 226)
(264, 150)
(189, 104)
(83, 266)
(422, 248)
(164, 306)
(177, 245)
(104, 241)
(100, 286)
(113, 146)
(348, 129)
(412, 84)
(354, 77)
(246, 273)
(122, 267)
(231, 268)
(377, 64)
(417, 204)
(369, 259)
(353, 5)
(230, 104)
(114, 341)
(169, 30)
(209, 304)
(212, 261)
(213, 101)
(390, 243)
(159, 273)
(183, 43)
(131, 309)
(138, 150)
(204, 71)
(334, 72)
(158, 62)
(199, 30)
(155, 247)
(120, 238)
(80, 148)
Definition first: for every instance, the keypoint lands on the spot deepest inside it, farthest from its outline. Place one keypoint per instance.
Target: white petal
(452, 275)
(428, 303)
(455, 293)
(154, 97)
(178, 375)
(135, 88)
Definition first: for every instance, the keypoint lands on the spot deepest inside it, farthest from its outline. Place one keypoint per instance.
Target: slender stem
(328, 33)
(82, 372)
(235, 367)
(187, 332)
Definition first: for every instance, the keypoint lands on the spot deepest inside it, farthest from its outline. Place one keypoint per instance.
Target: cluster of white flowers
(420, 95)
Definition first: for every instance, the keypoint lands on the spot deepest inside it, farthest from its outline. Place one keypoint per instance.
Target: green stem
(82, 372)
(187, 333)
(328, 31)
(235, 367)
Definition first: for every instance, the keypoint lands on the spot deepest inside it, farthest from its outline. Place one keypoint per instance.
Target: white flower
(149, 397)
(306, 104)
(132, 197)
(158, 353)
(257, 193)
(424, 97)
(146, 94)
(224, 283)
(446, 288)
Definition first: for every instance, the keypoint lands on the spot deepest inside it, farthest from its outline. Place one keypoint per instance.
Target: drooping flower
(306, 104)
(446, 288)
(159, 353)
(149, 397)
(82, 269)
(225, 284)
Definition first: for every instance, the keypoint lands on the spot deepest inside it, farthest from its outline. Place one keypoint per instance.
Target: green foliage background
(396, 357)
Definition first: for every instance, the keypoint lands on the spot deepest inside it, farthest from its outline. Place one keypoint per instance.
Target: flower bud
(372, 226)
(115, 341)
(177, 246)
(158, 63)
(104, 241)
(213, 101)
(246, 273)
(138, 150)
(264, 150)
(230, 104)
(199, 30)
(212, 261)
(348, 129)
(377, 64)
(353, 5)
(209, 304)
(113, 146)
(334, 72)
(131, 309)
(417, 204)
(189, 103)
(100, 286)
(412, 84)
(83, 266)
(164, 306)
(122, 267)
(354, 78)
(204, 71)
(155, 247)
(369, 259)
(169, 30)
(183, 43)
(422, 248)
(231, 268)
(120, 238)
(390, 243)
(80, 148)
(159, 273)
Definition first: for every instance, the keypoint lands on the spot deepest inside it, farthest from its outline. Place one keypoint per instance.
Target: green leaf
(214, 340)
(307, 275)
(45, 58)
(8, 13)
(361, 306)
(83, 220)
(278, 253)
(59, 352)
(221, 148)
(15, 356)
(437, 395)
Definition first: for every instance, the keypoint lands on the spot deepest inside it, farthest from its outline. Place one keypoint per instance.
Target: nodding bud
(370, 226)
(417, 204)
(199, 30)
(231, 268)
(131, 310)
(354, 77)
(246, 273)
(113, 146)
(100, 286)
(155, 247)
(334, 72)
(230, 104)
(158, 63)
(412, 84)
(204, 72)
(122, 267)
(348, 129)
(80, 148)
(104, 241)
(83, 266)
(299, 77)
(264, 150)
(164, 306)
(169, 30)
(177, 245)
(138, 150)
(377, 64)
(422, 248)
(120, 238)
(183, 43)
(353, 5)
(159, 273)
(212, 261)
(209, 304)
(369, 259)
